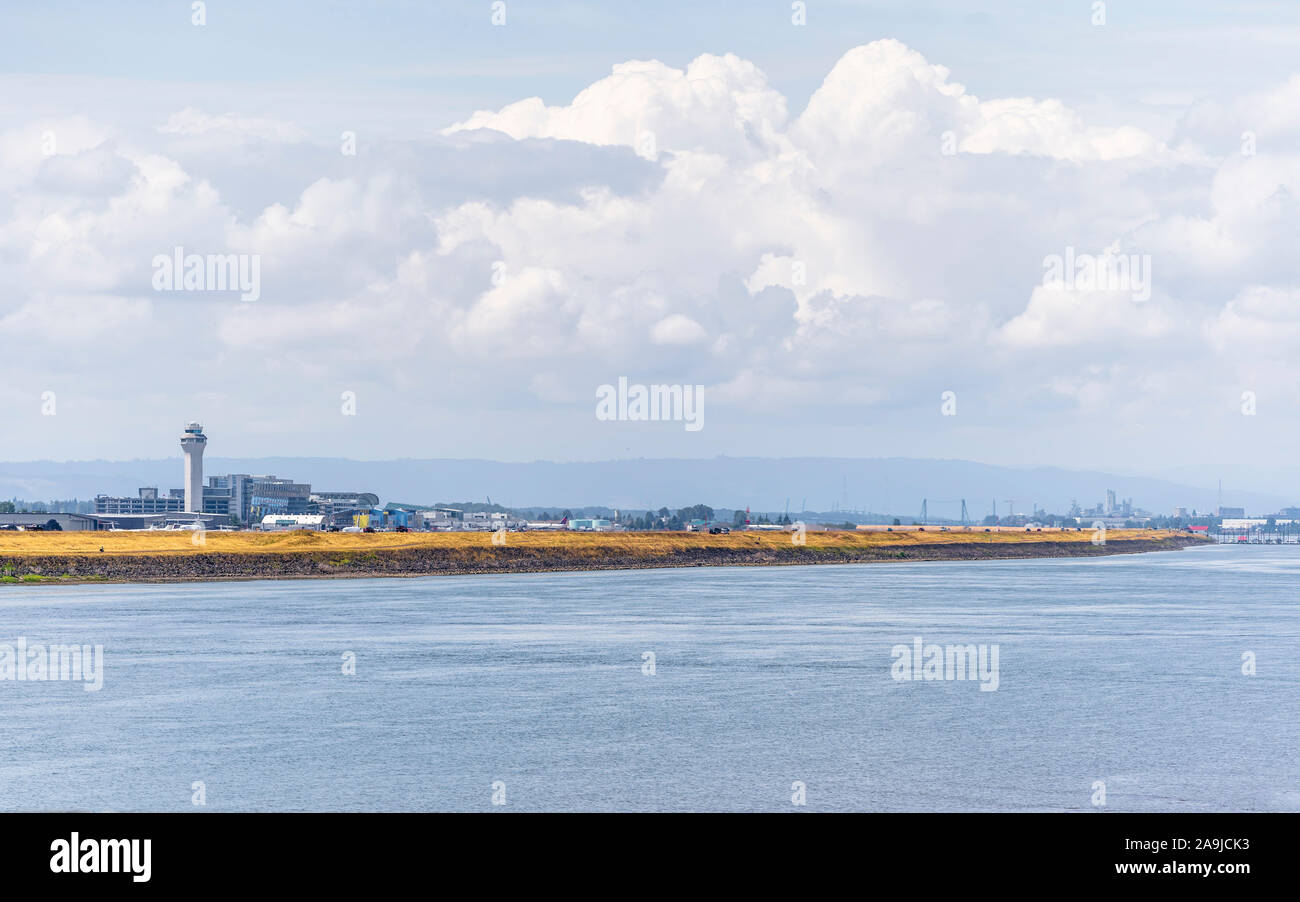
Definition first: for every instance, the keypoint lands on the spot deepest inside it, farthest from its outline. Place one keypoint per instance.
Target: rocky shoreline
(323, 564)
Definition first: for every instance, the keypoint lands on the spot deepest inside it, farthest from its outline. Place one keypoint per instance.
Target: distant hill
(885, 485)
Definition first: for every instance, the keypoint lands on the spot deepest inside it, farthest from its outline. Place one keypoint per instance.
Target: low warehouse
(293, 521)
(65, 522)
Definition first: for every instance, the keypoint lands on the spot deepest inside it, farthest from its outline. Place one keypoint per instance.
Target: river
(1125, 680)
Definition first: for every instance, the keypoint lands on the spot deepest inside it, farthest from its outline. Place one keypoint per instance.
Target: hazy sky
(827, 225)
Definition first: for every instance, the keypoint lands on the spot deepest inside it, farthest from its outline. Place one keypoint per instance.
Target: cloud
(886, 100)
(677, 330)
(677, 224)
(718, 104)
(1058, 317)
(1048, 128)
(97, 172)
(230, 127)
(1262, 121)
(1260, 322)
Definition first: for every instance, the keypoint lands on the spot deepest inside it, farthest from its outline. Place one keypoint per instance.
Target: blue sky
(450, 56)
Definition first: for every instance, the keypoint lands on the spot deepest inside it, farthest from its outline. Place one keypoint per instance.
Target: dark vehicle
(368, 529)
(402, 529)
(719, 531)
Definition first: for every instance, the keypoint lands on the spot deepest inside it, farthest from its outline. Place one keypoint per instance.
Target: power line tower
(924, 514)
(965, 517)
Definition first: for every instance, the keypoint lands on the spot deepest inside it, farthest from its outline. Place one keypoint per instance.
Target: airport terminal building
(240, 499)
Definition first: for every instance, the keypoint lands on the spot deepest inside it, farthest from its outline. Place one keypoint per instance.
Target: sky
(860, 235)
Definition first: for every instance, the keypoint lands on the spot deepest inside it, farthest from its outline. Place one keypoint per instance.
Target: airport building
(61, 522)
(277, 522)
(193, 441)
(269, 495)
(66, 522)
(148, 501)
(342, 508)
(242, 499)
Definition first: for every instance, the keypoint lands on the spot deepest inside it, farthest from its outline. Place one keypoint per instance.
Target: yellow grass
(22, 544)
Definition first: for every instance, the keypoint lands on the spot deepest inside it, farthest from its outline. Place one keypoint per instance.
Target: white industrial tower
(193, 441)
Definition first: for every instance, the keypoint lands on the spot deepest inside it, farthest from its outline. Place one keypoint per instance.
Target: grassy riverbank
(42, 557)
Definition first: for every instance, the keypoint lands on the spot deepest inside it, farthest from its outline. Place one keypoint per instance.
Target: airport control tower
(193, 441)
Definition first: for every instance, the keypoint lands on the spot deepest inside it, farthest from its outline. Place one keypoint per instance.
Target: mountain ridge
(894, 485)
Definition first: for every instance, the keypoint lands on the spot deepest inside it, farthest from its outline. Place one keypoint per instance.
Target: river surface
(767, 686)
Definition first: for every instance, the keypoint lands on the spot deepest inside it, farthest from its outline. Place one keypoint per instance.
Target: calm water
(1126, 670)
